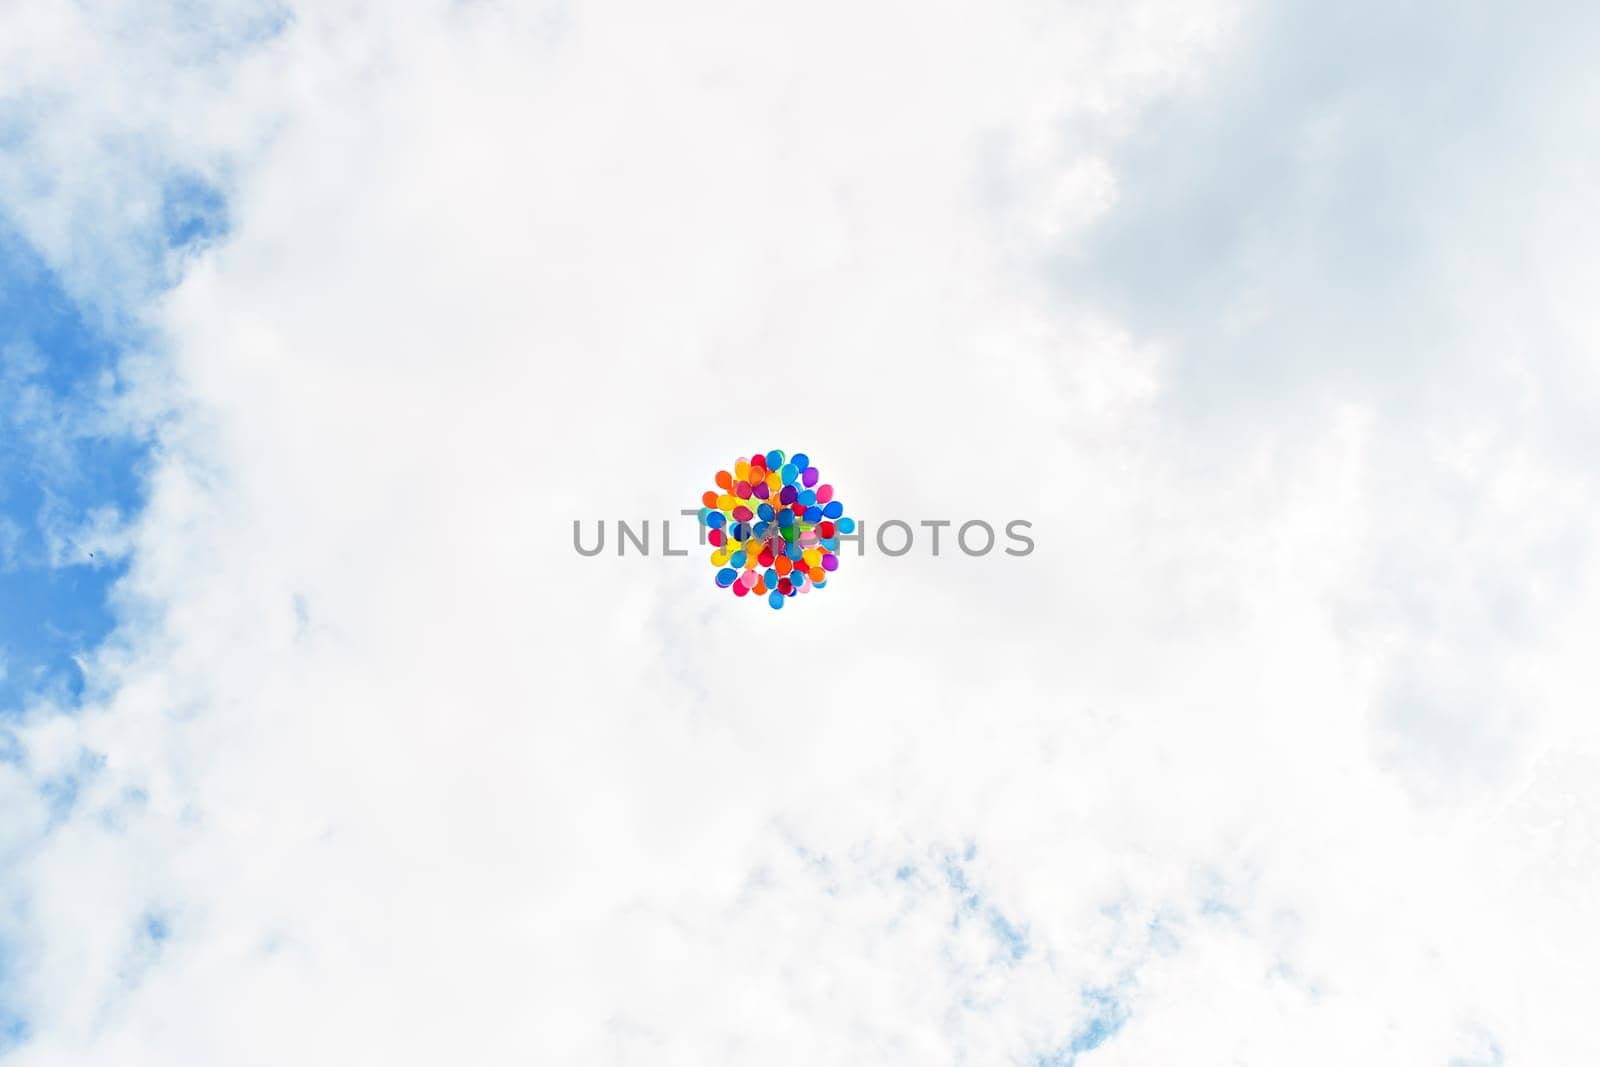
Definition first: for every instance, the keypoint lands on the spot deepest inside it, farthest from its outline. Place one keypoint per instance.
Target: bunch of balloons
(774, 529)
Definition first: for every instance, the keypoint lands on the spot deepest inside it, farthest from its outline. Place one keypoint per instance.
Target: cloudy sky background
(319, 326)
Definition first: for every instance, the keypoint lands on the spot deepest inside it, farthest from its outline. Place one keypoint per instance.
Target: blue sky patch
(1106, 1016)
(62, 463)
(1010, 937)
(193, 211)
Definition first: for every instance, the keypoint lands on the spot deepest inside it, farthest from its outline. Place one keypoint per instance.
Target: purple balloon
(809, 476)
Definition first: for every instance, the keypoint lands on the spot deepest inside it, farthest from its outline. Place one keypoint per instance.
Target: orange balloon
(817, 574)
(709, 500)
(725, 480)
(783, 564)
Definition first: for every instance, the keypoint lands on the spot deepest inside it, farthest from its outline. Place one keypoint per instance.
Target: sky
(321, 325)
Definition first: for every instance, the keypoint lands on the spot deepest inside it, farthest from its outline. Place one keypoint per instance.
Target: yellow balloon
(774, 482)
(741, 470)
(720, 556)
(727, 501)
(812, 556)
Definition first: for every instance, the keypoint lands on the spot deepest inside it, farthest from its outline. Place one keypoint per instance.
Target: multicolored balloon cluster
(774, 529)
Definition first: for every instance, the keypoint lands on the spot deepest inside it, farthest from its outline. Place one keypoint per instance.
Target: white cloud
(404, 779)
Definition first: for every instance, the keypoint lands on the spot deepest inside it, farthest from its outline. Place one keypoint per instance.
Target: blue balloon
(806, 498)
(770, 578)
(785, 517)
(800, 460)
(831, 544)
(775, 598)
(788, 473)
(737, 559)
(813, 514)
(726, 576)
(715, 520)
(833, 510)
(847, 525)
(794, 551)
(774, 460)
(765, 511)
